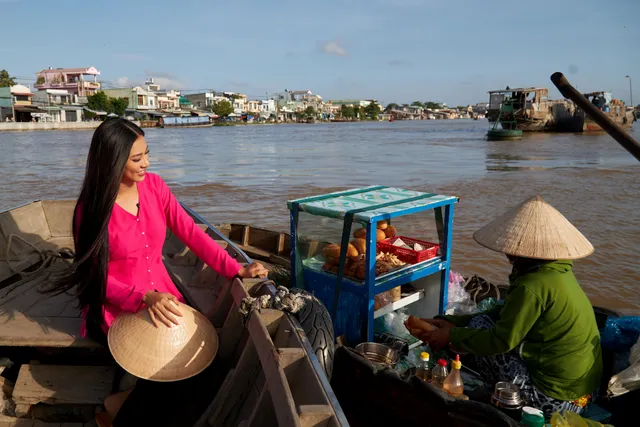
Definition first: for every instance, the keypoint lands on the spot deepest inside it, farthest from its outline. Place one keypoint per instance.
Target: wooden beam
(276, 379)
(57, 384)
(315, 415)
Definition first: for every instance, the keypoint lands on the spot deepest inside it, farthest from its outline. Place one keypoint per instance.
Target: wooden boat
(271, 374)
(508, 130)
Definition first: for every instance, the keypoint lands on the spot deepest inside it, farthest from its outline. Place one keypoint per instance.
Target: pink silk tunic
(135, 249)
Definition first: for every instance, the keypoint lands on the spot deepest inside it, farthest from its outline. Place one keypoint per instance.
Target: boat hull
(504, 135)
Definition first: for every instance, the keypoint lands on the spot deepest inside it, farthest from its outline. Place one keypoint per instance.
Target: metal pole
(613, 129)
(630, 91)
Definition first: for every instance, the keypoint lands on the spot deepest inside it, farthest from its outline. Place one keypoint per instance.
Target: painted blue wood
(445, 251)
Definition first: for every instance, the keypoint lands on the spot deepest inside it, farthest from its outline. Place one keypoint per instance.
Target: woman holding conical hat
(545, 335)
(120, 223)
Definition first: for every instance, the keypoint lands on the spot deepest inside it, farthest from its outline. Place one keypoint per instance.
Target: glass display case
(351, 248)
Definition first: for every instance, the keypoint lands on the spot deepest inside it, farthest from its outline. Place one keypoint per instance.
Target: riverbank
(40, 126)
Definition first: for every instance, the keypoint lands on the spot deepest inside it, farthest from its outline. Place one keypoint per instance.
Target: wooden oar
(613, 129)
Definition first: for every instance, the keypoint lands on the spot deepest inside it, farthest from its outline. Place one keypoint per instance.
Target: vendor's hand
(255, 269)
(162, 308)
(440, 323)
(437, 339)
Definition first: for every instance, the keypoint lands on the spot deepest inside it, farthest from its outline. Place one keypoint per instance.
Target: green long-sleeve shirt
(549, 321)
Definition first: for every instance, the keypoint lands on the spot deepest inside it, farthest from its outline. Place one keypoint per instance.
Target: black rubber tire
(316, 323)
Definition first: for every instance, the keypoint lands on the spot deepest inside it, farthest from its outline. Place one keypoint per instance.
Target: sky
(390, 50)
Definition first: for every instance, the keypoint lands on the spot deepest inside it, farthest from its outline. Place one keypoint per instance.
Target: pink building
(77, 81)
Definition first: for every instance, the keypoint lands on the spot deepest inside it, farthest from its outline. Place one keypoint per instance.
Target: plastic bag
(629, 379)
(571, 419)
(620, 333)
(381, 300)
(459, 301)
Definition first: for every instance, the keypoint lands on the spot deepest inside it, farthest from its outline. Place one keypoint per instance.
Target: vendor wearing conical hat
(545, 335)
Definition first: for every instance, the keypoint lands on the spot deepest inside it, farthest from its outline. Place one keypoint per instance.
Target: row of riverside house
(60, 95)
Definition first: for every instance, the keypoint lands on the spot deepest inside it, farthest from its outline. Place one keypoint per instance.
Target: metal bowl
(378, 353)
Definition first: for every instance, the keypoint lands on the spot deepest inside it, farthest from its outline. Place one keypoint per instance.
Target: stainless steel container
(506, 395)
(378, 353)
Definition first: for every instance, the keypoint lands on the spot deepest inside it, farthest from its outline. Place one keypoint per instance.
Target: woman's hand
(437, 339)
(440, 323)
(162, 308)
(255, 269)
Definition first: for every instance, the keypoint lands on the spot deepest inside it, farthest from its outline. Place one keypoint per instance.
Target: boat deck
(30, 318)
(27, 316)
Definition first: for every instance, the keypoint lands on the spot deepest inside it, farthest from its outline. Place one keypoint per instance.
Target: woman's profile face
(138, 162)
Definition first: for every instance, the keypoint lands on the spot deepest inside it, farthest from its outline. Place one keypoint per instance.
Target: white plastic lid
(532, 411)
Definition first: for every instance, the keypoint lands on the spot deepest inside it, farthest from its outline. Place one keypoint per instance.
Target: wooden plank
(51, 305)
(291, 359)
(271, 319)
(59, 215)
(29, 222)
(6, 421)
(263, 414)
(230, 334)
(58, 384)
(252, 399)
(243, 380)
(276, 379)
(19, 330)
(217, 401)
(263, 239)
(6, 386)
(315, 415)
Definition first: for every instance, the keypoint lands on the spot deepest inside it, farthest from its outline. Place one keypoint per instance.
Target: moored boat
(268, 370)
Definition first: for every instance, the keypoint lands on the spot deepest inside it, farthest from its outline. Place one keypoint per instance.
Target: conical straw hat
(162, 353)
(534, 229)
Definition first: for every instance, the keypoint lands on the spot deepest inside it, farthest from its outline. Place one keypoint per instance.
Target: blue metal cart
(350, 302)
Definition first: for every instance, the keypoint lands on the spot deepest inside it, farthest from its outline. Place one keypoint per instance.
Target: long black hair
(108, 155)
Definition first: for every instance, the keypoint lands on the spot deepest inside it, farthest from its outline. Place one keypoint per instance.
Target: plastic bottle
(453, 384)
(532, 417)
(423, 370)
(439, 373)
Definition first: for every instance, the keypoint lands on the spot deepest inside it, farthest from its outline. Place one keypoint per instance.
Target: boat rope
(283, 300)
(47, 256)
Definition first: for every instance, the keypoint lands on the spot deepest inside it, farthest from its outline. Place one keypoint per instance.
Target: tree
(346, 112)
(119, 105)
(392, 106)
(6, 80)
(357, 112)
(372, 110)
(417, 104)
(222, 108)
(100, 102)
(430, 105)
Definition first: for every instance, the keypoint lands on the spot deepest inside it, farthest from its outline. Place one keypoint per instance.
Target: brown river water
(246, 174)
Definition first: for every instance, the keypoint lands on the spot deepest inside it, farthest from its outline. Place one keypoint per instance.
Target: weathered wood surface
(56, 384)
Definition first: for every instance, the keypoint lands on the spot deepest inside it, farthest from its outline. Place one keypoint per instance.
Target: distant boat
(190, 121)
(508, 130)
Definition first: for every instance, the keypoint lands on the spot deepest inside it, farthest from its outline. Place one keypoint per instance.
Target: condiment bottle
(424, 370)
(453, 383)
(532, 417)
(439, 373)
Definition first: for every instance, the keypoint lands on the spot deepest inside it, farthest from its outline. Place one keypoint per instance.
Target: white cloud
(123, 81)
(332, 47)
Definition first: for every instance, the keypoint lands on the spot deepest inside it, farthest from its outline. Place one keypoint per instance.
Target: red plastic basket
(409, 255)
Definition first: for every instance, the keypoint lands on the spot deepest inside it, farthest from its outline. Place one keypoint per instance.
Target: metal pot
(379, 354)
(506, 395)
